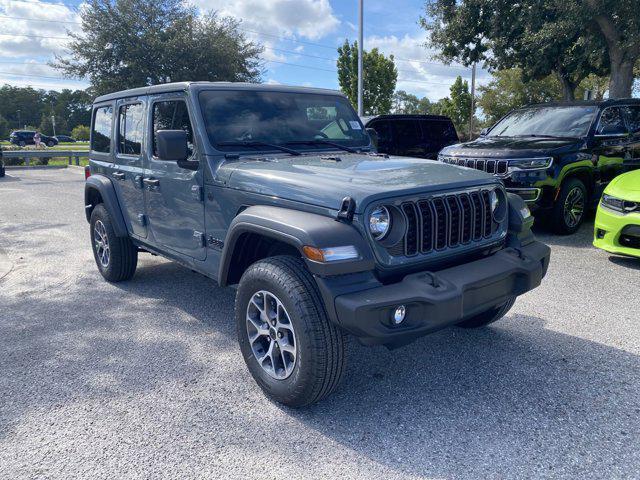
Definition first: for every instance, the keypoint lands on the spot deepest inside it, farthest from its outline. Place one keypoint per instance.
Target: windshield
(571, 121)
(236, 119)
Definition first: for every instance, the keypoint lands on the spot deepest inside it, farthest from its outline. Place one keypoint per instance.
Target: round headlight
(498, 204)
(379, 223)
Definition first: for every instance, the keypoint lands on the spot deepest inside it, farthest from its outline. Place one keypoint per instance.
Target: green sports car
(617, 228)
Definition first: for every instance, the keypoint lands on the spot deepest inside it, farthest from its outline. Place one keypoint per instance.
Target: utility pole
(19, 122)
(53, 120)
(473, 99)
(360, 62)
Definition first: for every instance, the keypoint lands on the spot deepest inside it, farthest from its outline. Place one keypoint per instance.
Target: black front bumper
(459, 293)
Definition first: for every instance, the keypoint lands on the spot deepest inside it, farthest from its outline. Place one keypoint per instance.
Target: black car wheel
(490, 316)
(570, 208)
(292, 350)
(22, 143)
(116, 257)
(50, 143)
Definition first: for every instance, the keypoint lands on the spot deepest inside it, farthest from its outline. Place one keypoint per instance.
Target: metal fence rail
(73, 155)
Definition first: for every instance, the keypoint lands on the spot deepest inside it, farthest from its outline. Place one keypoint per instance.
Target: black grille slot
(411, 238)
(441, 223)
(427, 225)
(488, 220)
(467, 218)
(502, 168)
(496, 167)
(455, 217)
(478, 208)
(491, 166)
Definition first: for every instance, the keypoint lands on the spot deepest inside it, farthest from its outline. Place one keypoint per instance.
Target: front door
(128, 168)
(174, 198)
(614, 147)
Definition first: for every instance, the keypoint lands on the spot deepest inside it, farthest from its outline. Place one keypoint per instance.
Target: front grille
(445, 221)
(496, 167)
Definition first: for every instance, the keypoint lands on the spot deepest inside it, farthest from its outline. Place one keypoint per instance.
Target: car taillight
(87, 172)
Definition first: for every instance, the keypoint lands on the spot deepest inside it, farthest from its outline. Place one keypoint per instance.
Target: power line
(281, 37)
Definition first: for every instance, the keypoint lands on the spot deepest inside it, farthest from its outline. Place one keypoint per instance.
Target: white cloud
(418, 72)
(22, 36)
(311, 19)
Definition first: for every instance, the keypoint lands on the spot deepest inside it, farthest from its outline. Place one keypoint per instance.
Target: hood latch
(347, 209)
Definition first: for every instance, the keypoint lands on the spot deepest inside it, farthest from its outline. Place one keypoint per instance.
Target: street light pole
(360, 53)
(473, 99)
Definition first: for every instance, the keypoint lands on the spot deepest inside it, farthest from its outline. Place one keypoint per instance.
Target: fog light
(399, 314)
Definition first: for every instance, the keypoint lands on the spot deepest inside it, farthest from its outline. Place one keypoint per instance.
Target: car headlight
(379, 223)
(531, 163)
(620, 205)
(498, 203)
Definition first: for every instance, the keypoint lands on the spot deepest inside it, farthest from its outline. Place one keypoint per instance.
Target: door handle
(118, 175)
(152, 182)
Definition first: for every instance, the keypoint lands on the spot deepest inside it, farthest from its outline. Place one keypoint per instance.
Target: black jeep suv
(276, 190)
(558, 157)
(421, 136)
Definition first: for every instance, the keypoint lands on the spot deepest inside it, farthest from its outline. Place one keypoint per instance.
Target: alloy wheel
(271, 335)
(574, 207)
(101, 243)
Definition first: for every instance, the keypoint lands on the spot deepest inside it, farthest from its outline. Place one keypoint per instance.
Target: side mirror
(484, 131)
(172, 145)
(374, 137)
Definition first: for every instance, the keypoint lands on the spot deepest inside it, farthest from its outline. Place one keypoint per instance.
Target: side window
(611, 122)
(171, 115)
(130, 128)
(407, 134)
(632, 113)
(101, 131)
(383, 130)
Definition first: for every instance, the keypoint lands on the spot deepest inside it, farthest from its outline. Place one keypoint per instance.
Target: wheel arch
(262, 231)
(98, 189)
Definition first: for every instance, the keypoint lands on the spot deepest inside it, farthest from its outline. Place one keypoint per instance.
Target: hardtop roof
(199, 86)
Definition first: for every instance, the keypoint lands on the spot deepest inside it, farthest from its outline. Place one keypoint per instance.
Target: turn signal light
(330, 254)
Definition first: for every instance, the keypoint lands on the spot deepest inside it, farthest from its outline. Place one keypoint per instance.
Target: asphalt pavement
(144, 379)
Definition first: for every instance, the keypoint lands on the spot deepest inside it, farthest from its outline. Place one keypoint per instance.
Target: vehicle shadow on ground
(627, 262)
(583, 238)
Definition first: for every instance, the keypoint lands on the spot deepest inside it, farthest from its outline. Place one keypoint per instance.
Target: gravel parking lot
(144, 378)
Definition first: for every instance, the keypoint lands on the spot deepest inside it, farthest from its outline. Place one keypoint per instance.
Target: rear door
(128, 170)
(174, 195)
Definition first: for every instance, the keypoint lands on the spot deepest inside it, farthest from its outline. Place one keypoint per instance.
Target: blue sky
(300, 39)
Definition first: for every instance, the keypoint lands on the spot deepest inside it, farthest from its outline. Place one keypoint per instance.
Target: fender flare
(298, 228)
(105, 188)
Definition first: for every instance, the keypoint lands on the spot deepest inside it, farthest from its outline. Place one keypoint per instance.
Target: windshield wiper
(321, 141)
(536, 135)
(257, 143)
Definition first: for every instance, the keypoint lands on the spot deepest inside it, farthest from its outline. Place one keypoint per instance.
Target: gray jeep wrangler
(276, 190)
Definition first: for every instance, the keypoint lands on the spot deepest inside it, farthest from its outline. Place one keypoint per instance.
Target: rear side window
(632, 113)
(101, 132)
(130, 128)
(172, 115)
(438, 131)
(611, 122)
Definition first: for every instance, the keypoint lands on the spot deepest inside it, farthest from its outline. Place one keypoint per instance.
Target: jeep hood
(324, 180)
(514, 147)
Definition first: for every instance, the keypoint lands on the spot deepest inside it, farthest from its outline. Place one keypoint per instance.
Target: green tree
(457, 106)
(618, 22)
(81, 133)
(404, 102)
(133, 43)
(21, 105)
(507, 91)
(380, 77)
(4, 128)
(542, 37)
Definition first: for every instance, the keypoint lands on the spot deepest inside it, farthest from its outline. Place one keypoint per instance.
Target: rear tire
(570, 208)
(490, 316)
(116, 257)
(310, 362)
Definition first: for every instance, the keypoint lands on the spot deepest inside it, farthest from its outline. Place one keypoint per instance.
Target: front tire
(570, 208)
(488, 317)
(116, 257)
(291, 348)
